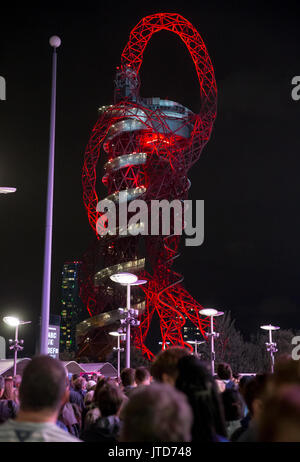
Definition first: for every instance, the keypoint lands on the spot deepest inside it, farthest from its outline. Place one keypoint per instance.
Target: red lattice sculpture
(150, 144)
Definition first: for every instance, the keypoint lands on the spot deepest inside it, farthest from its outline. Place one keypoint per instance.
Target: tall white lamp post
(55, 43)
(16, 344)
(271, 346)
(128, 280)
(211, 312)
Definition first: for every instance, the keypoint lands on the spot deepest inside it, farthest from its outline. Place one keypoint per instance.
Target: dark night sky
(247, 175)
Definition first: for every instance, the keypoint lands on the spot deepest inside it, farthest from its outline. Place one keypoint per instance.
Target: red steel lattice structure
(151, 144)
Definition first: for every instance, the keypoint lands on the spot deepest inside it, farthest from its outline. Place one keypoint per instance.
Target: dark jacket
(70, 417)
(105, 429)
(77, 397)
(8, 410)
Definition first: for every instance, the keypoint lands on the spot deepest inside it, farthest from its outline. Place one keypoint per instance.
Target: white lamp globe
(208, 312)
(7, 190)
(124, 278)
(55, 41)
(11, 321)
(270, 327)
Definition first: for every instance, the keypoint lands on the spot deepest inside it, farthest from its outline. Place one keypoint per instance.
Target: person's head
(100, 377)
(224, 371)
(94, 377)
(142, 376)
(128, 377)
(74, 378)
(80, 384)
(286, 371)
(233, 405)
(164, 367)
(8, 388)
(280, 418)
(2, 386)
(100, 383)
(110, 399)
(43, 386)
(91, 385)
(236, 378)
(243, 382)
(196, 382)
(254, 393)
(157, 413)
(281, 360)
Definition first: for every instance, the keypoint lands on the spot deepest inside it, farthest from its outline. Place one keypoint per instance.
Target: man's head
(243, 383)
(164, 368)
(142, 376)
(128, 377)
(286, 371)
(224, 371)
(157, 413)
(80, 384)
(280, 418)
(43, 385)
(254, 393)
(74, 378)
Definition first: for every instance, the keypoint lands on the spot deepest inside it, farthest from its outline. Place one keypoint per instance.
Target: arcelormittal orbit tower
(149, 145)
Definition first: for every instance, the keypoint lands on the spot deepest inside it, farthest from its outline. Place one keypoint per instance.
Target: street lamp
(128, 279)
(16, 344)
(7, 190)
(195, 343)
(211, 312)
(271, 346)
(118, 349)
(55, 43)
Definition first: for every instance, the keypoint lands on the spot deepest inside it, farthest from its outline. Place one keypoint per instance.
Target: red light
(164, 293)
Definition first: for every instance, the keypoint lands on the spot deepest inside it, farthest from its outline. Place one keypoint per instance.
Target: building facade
(71, 306)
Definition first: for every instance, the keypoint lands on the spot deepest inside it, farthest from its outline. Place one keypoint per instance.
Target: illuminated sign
(53, 341)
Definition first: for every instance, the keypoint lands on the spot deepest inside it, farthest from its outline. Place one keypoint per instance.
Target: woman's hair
(233, 405)
(110, 399)
(100, 384)
(196, 382)
(8, 388)
(166, 363)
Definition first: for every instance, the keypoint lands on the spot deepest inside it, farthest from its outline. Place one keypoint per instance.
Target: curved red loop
(141, 34)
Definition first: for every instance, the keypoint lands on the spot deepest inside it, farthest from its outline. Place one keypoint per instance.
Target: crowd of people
(176, 399)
